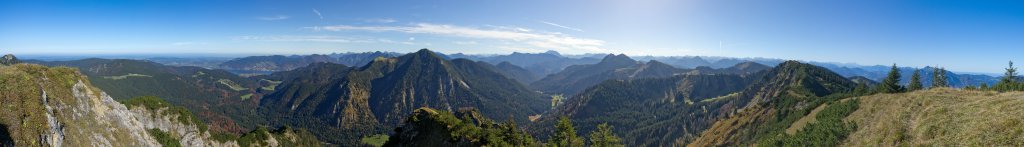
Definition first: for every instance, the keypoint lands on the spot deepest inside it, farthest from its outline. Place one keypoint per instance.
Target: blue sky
(978, 36)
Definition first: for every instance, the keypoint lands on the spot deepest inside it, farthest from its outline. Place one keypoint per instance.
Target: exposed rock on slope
(212, 94)
(9, 60)
(55, 107)
(44, 106)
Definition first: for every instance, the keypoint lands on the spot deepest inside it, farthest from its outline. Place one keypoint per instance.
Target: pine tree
(939, 78)
(861, 89)
(604, 137)
(915, 81)
(515, 136)
(891, 84)
(1009, 80)
(565, 135)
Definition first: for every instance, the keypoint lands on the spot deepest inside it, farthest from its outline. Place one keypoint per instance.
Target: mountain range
(381, 93)
(651, 102)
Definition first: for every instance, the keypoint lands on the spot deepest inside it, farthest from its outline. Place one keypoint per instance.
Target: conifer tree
(604, 137)
(939, 78)
(1009, 80)
(891, 84)
(565, 135)
(861, 89)
(915, 81)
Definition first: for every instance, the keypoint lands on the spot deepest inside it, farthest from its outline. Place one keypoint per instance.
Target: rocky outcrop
(9, 59)
(58, 107)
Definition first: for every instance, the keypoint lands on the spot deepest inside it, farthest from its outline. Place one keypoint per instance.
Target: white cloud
(556, 41)
(381, 20)
(561, 26)
(272, 18)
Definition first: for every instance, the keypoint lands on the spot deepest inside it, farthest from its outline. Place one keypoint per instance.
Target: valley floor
(939, 117)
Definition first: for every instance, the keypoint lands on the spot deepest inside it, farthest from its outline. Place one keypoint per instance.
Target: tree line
(891, 82)
(1009, 82)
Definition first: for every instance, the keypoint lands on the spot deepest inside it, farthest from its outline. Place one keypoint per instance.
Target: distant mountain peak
(552, 52)
(621, 58)
(792, 63)
(424, 51)
(750, 65)
(655, 62)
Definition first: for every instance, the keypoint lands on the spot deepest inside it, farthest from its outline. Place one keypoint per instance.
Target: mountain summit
(621, 59)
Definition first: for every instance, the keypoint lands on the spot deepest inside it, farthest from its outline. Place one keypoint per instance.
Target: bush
(829, 130)
(165, 139)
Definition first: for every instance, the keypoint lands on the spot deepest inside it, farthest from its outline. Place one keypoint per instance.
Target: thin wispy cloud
(187, 43)
(381, 20)
(561, 26)
(543, 40)
(320, 38)
(317, 12)
(289, 38)
(273, 18)
(465, 42)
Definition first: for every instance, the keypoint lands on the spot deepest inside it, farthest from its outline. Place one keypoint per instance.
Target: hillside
(939, 117)
(682, 109)
(515, 72)
(275, 62)
(650, 112)
(58, 106)
(538, 63)
(466, 127)
(217, 96)
(766, 108)
(264, 64)
(577, 78)
(334, 99)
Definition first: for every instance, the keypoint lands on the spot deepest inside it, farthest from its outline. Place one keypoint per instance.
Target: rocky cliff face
(58, 107)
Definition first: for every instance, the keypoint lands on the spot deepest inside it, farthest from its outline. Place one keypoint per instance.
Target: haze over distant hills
(539, 64)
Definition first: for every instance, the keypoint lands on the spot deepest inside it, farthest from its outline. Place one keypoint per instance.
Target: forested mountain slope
(362, 100)
(767, 107)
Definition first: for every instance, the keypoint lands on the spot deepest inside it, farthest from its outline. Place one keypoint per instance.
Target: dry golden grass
(939, 117)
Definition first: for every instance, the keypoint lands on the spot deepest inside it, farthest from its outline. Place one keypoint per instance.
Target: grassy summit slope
(939, 117)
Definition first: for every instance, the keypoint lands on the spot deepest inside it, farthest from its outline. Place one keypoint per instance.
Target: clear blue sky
(977, 36)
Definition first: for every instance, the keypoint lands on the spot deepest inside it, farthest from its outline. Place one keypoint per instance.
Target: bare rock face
(43, 106)
(9, 59)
